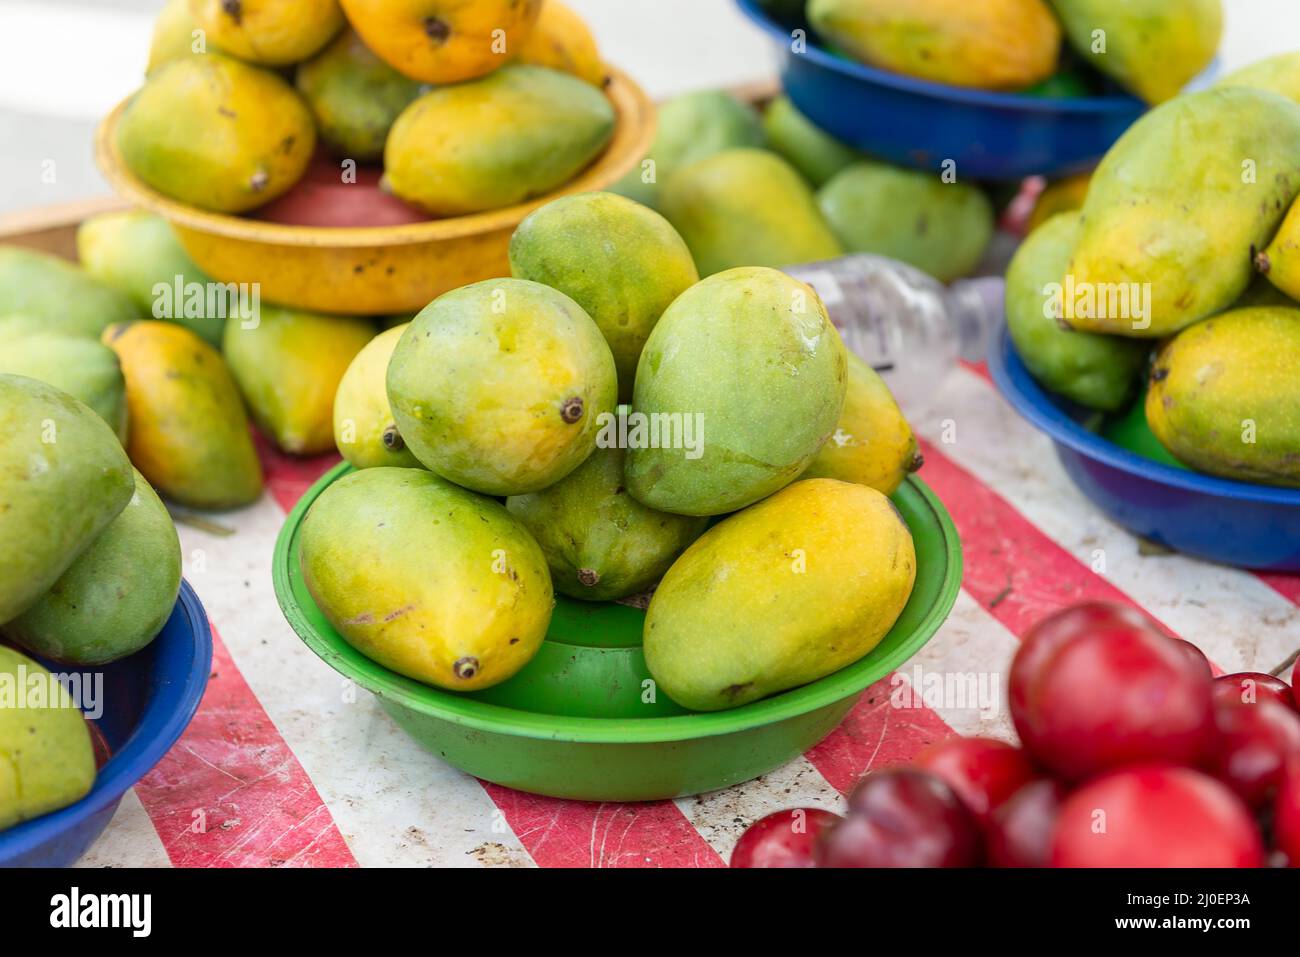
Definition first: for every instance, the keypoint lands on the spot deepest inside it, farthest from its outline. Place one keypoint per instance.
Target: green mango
(746, 207)
(1277, 74)
(1223, 395)
(501, 386)
(915, 217)
(1097, 371)
(1178, 207)
(618, 260)
(692, 127)
(749, 363)
(780, 594)
(516, 133)
(813, 152)
(116, 596)
(46, 759)
(364, 429)
(63, 477)
(427, 579)
(217, 133)
(1130, 430)
(85, 369)
(55, 296)
(355, 96)
(1152, 47)
(138, 253)
(600, 543)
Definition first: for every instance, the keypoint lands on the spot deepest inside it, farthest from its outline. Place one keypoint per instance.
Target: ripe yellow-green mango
(747, 365)
(217, 133)
(1098, 371)
(189, 434)
(500, 386)
(115, 596)
(746, 207)
(288, 367)
(915, 217)
(991, 45)
(781, 594)
(1152, 47)
(1278, 74)
(1279, 261)
(600, 543)
(1063, 196)
(872, 443)
(1224, 397)
(174, 35)
(46, 758)
(55, 296)
(807, 147)
(620, 261)
(273, 32)
(63, 478)
(562, 40)
(518, 133)
(1177, 210)
(426, 578)
(138, 253)
(364, 429)
(355, 97)
(85, 369)
(444, 41)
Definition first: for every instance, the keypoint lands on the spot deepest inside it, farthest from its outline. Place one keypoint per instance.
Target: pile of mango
(469, 106)
(1183, 268)
(1150, 47)
(602, 423)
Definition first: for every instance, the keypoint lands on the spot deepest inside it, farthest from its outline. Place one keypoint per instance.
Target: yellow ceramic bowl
(371, 270)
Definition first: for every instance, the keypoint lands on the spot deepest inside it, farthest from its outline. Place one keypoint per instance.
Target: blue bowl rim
(165, 718)
(1034, 404)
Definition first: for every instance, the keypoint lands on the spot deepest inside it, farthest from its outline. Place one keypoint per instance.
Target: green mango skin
(746, 207)
(1130, 430)
(1215, 378)
(516, 133)
(752, 351)
(1153, 47)
(63, 477)
(618, 260)
(173, 35)
(1142, 226)
(600, 543)
(500, 386)
(55, 296)
(1097, 371)
(355, 96)
(134, 251)
(692, 127)
(813, 152)
(85, 369)
(46, 759)
(1278, 74)
(942, 228)
(116, 596)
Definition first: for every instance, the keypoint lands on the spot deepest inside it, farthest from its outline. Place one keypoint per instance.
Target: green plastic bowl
(580, 722)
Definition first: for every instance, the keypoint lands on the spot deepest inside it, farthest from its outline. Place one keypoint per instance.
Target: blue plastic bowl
(1218, 519)
(149, 699)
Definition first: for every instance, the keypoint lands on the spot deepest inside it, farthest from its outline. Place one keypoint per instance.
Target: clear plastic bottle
(905, 324)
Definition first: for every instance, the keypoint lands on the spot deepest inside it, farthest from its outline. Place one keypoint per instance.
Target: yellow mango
(1279, 261)
(364, 428)
(562, 40)
(1278, 74)
(1062, 196)
(272, 32)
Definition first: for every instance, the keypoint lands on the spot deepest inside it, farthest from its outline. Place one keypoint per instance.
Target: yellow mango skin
(1224, 397)
(428, 579)
(1279, 261)
(872, 443)
(46, 758)
(1278, 74)
(991, 44)
(217, 133)
(364, 429)
(189, 433)
(781, 594)
(270, 32)
(288, 368)
(1168, 207)
(622, 262)
(1063, 196)
(1153, 47)
(444, 41)
(500, 386)
(562, 40)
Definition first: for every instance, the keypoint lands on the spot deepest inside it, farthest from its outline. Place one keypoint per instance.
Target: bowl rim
(498, 719)
(1033, 403)
(634, 131)
(165, 718)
